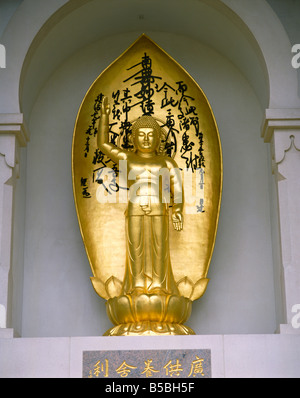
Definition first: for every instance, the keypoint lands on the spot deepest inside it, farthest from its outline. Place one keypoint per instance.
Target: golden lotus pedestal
(148, 314)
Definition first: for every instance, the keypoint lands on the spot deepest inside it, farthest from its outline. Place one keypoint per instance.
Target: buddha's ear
(130, 138)
(162, 141)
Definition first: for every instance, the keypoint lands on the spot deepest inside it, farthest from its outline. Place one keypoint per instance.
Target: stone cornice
(279, 119)
(13, 123)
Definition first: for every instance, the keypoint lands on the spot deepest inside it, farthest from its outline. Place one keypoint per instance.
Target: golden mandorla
(147, 180)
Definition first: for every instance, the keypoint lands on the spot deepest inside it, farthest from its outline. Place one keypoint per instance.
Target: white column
(282, 130)
(12, 135)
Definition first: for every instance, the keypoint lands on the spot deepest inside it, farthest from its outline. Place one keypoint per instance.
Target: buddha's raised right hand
(105, 107)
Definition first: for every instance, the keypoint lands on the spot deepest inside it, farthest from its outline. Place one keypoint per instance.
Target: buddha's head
(146, 134)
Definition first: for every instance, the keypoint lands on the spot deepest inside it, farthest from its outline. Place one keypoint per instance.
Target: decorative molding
(13, 123)
(283, 143)
(8, 150)
(279, 119)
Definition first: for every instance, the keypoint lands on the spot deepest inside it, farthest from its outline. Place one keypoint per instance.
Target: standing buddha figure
(155, 186)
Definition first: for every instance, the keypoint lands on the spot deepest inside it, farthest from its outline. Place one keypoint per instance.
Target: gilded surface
(149, 247)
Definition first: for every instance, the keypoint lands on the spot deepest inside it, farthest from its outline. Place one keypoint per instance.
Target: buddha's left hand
(177, 219)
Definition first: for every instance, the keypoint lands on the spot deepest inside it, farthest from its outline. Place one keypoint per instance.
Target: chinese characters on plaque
(149, 363)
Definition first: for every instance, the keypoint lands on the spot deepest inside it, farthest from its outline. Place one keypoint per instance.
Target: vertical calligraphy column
(11, 137)
(282, 130)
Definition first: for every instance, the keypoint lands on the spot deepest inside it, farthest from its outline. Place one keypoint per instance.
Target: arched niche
(261, 47)
(56, 60)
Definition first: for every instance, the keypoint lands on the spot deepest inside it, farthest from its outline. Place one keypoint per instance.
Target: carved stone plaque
(147, 364)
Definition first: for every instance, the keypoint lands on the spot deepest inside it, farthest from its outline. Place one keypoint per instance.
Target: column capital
(280, 119)
(13, 124)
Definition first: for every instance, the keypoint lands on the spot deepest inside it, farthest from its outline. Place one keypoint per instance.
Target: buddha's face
(146, 139)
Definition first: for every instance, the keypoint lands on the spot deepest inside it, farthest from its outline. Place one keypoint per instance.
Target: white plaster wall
(288, 12)
(8, 7)
(58, 297)
(232, 356)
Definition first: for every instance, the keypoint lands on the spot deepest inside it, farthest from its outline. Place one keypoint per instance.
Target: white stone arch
(275, 46)
(17, 38)
(256, 19)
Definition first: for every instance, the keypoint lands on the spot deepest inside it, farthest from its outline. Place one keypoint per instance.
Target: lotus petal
(113, 287)
(185, 287)
(199, 288)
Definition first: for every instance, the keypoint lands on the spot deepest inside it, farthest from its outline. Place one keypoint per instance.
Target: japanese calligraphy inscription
(147, 180)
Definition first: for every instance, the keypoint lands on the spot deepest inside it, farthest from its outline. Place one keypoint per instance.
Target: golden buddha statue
(130, 258)
(148, 267)
(152, 176)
